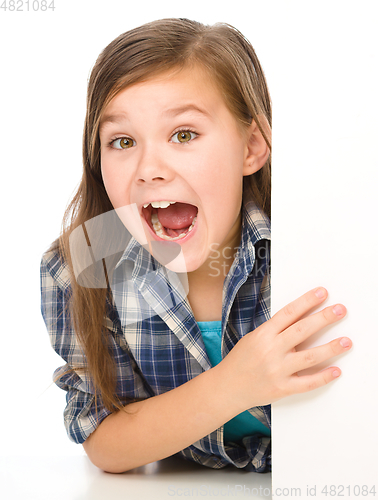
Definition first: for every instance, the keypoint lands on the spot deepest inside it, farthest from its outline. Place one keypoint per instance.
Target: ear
(256, 149)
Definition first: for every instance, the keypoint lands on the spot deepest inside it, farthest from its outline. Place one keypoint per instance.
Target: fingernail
(320, 293)
(345, 342)
(336, 373)
(338, 310)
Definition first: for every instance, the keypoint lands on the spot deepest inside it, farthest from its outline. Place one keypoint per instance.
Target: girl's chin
(175, 257)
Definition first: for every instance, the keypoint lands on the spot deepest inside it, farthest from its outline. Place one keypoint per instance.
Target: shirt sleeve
(82, 414)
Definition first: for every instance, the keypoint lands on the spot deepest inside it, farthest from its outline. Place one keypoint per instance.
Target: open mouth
(170, 220)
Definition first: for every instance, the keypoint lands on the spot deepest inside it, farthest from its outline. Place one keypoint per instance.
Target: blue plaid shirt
(156, 342)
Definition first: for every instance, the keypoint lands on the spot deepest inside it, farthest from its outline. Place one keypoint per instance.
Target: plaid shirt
(155, 340)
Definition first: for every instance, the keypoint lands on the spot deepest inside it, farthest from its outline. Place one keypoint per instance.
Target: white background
(320, 61)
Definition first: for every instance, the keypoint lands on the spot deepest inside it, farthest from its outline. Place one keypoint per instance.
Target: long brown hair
(135, 56)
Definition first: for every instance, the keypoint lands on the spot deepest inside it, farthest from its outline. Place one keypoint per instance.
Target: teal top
(243, 424)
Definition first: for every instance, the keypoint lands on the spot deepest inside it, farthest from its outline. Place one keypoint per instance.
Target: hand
(263, 365)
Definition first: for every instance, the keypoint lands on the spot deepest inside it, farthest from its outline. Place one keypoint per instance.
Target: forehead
(189, 90)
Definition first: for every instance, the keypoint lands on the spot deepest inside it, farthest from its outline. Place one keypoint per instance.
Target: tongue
(177, 216)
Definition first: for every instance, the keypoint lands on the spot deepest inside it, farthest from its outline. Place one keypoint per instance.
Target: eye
(183, 136)
(122, 143)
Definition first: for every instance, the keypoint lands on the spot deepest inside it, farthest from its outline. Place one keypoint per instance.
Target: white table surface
(76, 478)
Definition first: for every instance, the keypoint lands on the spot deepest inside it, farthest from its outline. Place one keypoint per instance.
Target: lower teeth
(158, 228)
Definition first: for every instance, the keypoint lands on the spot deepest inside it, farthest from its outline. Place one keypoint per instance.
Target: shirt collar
(255, 223)
(255, 228)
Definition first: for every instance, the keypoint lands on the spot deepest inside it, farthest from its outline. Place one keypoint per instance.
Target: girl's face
(172, 138)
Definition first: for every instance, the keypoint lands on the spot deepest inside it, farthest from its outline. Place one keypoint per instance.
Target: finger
(306, 383)
(303, 329)
(294, 311)
(301, 360)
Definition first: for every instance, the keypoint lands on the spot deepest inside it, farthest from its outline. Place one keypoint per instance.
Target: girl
(177, 143)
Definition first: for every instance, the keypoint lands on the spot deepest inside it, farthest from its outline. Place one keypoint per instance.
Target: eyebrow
(185, 109)
(173, 112)
(112, 119)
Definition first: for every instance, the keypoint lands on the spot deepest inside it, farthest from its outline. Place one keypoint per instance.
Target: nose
(153, 167)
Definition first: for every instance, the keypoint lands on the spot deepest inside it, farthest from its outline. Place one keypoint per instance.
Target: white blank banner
(325, 181)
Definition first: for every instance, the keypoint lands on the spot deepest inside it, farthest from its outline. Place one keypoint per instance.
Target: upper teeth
(159, 204)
